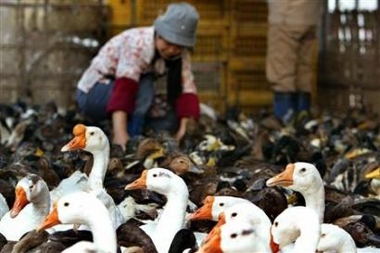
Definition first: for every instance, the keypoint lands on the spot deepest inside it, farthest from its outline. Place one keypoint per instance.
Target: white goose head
(31, 189)
(95, 141)
(247, 213)
(299, 224)
(31, 206)
(299, 176)
(74, 208)
(306, 179)
(89, 138)
(335, 239)
(175, 190)
(235, 237)
(160, 180)
(84, 208)
(213, 206)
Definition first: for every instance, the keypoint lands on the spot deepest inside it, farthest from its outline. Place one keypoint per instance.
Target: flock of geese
(235, 188)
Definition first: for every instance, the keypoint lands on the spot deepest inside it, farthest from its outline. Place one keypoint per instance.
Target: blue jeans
(94, 105)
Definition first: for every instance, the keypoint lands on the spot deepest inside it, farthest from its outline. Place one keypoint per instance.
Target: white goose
(78, 180)
(84, 208)
(299, 225)
(250, 214)
(31, 206)
(233, 209)
(172, 218)
(95, 141)
(214, 206)
(304, 178)
(336, 239)
(234, 237)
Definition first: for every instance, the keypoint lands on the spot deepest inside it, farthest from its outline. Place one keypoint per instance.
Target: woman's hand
(120, 131)
(179, 135)
(182, 129)
(121, 139)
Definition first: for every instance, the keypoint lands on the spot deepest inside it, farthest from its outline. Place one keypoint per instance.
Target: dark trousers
(94, 105)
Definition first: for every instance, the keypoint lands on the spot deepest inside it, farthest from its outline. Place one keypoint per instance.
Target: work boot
(303, 101)
(285, 105)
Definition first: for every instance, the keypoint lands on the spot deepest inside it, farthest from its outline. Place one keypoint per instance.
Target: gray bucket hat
(179, 24)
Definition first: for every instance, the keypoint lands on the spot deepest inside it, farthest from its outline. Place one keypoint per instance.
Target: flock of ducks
(233, 185)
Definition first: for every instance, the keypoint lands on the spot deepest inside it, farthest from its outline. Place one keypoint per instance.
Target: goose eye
(303, 170)
(154, 175)
(233, 214)
(323, 235)
(221, 204)
(276, 224)
(92, 133)
(66, 204)
(234, 235)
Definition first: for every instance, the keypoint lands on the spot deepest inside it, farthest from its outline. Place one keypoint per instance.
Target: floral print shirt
(130, 54)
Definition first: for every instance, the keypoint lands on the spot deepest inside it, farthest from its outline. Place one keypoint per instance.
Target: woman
(120, 82)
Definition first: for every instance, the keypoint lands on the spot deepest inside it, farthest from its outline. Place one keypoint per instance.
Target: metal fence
(349, 73)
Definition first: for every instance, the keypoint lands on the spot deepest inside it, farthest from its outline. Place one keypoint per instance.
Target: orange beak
(139, 183)
(79, 140)
(216, 228)
(274, 246)
(51, 220)
(212, 243)
(20, 202)
(205, 211)
(285, 178)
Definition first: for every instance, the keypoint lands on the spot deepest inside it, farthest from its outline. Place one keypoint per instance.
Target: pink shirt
(129, 54)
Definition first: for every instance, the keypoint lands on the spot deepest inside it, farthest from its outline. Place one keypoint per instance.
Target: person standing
(292, 33)
(120, 82)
